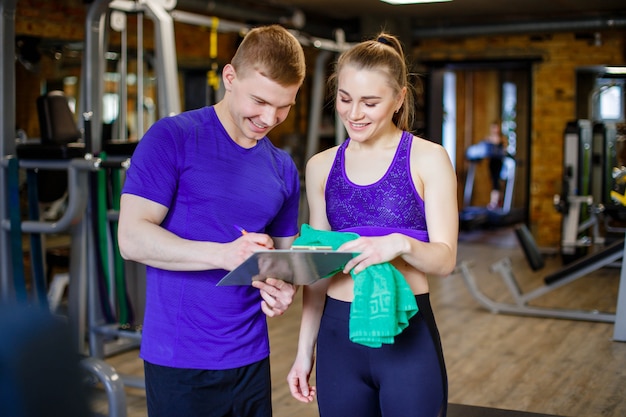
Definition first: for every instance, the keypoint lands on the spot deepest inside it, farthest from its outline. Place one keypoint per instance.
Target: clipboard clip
(304, 247)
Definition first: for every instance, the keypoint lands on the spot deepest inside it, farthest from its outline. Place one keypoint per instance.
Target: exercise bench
(557, 279)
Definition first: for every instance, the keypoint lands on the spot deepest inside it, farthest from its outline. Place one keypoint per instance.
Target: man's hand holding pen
(260, 238)
(234, 253)
(277, 294)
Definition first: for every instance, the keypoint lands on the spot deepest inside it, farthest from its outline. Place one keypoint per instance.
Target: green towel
(383, 301)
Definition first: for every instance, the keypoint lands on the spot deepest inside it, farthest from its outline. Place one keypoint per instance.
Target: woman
(496, 154)
(398, 193)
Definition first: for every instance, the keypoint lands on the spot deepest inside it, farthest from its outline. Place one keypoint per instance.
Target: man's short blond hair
(274, 52)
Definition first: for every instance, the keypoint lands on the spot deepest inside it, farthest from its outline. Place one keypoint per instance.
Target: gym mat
(460, 410)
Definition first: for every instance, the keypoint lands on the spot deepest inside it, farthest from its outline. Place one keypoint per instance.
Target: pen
(241, 229)
(245, 232)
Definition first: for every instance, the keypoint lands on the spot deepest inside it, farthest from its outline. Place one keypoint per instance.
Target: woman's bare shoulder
(425, 149)
(323, 159)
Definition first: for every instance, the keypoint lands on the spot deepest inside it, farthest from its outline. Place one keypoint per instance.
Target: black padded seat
(50, 150)
(59, 134)
(614, 248)
(528, 244)
(119, 148)
(461, 410)
(536, 261)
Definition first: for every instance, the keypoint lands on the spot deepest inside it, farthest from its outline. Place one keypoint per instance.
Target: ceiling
(460, 11)
(436, 19)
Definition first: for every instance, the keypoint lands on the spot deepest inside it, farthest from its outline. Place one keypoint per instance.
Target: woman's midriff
(341, 286)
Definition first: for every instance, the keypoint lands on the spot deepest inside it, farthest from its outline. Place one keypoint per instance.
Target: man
(195, 178)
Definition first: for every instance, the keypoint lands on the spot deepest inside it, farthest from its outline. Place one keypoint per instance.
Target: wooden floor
(548, 366)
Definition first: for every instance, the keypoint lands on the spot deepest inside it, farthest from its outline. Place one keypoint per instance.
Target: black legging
(406, 378)
(495, 167)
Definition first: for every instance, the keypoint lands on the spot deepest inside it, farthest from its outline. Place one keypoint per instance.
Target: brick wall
(553, 100)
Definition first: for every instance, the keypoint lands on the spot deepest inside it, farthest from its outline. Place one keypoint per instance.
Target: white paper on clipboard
(300, 267)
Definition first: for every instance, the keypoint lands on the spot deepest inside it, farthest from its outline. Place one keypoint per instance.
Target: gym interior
(533, 319)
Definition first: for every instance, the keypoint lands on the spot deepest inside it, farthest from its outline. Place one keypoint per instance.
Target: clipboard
(299, 266)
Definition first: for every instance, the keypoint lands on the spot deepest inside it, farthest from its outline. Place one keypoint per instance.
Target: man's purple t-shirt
(210, 184)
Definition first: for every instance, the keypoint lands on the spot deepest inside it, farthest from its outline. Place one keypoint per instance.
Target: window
(608, 100)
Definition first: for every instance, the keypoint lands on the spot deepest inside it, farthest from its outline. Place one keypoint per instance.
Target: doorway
(462, 100)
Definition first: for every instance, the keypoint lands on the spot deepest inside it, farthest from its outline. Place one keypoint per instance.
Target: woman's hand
(298, 380)
(373, 250)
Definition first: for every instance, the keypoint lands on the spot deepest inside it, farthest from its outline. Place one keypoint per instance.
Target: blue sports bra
(390, 205)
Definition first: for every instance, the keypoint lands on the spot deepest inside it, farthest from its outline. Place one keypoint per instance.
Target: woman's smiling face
(365, 102)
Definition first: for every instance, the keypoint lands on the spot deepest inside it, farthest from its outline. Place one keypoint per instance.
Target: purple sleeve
(153, 170)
